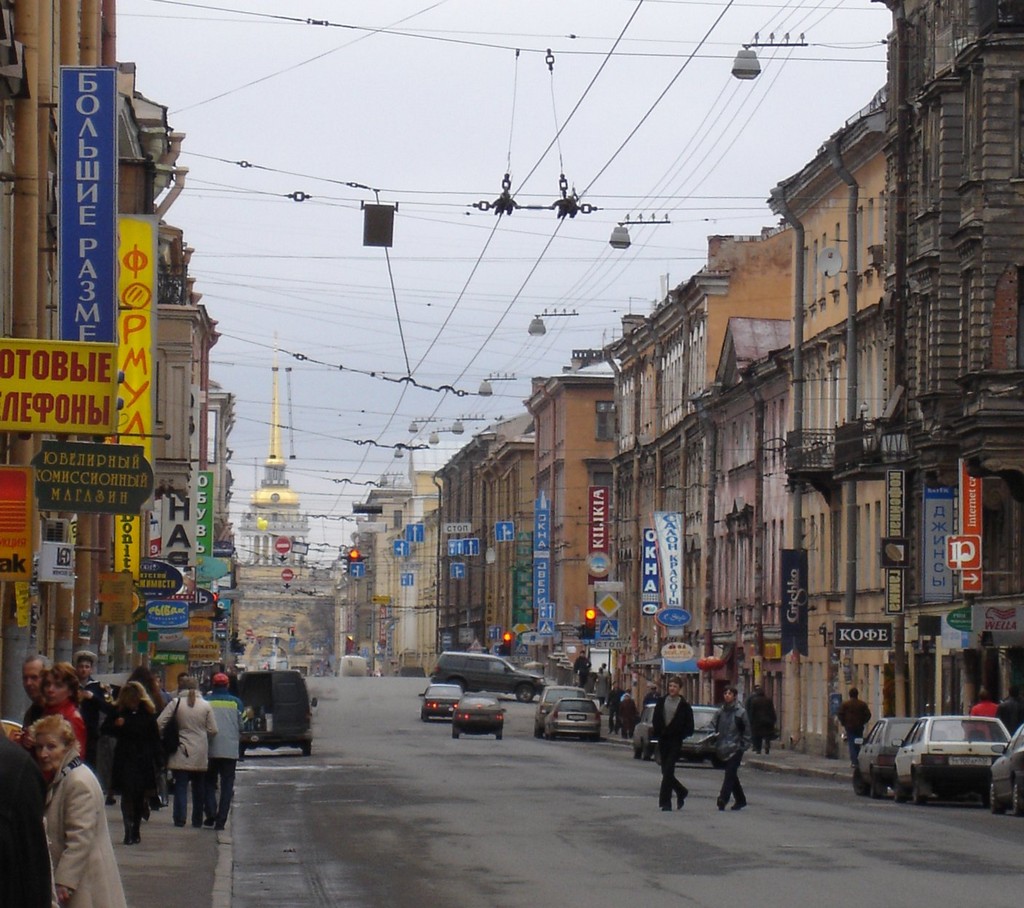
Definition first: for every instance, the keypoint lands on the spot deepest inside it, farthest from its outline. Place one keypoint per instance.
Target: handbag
(170, 737)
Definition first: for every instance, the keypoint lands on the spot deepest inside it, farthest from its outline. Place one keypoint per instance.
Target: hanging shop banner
(97, 478)
(895, 526)
(794, 601)
(57, 386)
(87, 203)
(204, 512)
(650, 584)
(598, 562)
(542, 603)
(938, 524)
(178, 524)
(668, 527)
(17, 519)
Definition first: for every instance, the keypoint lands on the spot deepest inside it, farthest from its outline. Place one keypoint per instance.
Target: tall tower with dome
(274, 507)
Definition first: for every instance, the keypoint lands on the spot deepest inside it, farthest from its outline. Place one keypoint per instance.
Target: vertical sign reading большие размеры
(87, 203)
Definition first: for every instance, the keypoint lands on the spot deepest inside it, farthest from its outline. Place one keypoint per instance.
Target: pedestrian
(220, 776)
(652, 695)
(25, 878)
(761, 712)
(94, 703)
(159, 696)
(628, 715)
(853, 714)
(1011, 710)
(602, 684)
(614, 697)
(138, 756)
(672, 724)
(190, 761)
(733, 729)
(986, 705)
(33, 669)
(84, 869)
(581, 668)
(60, 698)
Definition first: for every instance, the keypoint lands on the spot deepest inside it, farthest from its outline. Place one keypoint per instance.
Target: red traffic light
(590, 614)
(354, 554)
(507, 636)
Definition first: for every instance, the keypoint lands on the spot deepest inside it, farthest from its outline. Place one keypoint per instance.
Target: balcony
(870, 446)
(811, 457)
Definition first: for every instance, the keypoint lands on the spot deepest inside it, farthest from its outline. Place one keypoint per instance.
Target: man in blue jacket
(220, 776)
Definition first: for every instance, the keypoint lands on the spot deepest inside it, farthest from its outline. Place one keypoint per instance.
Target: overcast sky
(428, 105)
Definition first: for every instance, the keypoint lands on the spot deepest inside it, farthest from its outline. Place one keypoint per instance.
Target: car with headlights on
(439, 701)
(876, 763)
(575, 716)
(948, 757)
(547, 701)
(478, 715)
(1006, 784)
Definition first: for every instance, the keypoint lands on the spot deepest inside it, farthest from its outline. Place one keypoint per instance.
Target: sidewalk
(173, 866)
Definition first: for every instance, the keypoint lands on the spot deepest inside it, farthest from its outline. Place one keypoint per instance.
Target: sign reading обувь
(98, 478)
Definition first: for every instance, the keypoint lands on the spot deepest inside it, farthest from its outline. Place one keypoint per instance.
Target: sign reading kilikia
(102, 479)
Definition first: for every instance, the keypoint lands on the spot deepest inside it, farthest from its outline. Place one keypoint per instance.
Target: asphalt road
(390, 812)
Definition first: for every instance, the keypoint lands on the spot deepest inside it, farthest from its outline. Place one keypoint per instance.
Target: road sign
(505, 531)
(608, 604)
(357, 569)
(546, 628)
(462, 526)
(863, 634)
(282, 545)
(287, 575)
(970, 525)
(673, 617)
(607, 628)
(963, 553)
(531, 638)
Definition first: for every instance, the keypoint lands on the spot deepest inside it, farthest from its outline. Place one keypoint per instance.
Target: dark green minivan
(278, 711)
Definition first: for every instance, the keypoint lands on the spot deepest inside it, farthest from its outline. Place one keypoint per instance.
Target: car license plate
(576, 717)
(969, 761)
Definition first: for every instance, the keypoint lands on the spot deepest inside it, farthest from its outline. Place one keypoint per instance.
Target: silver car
(876, 763)
(948, 756)
(577, 716)
(547, 701)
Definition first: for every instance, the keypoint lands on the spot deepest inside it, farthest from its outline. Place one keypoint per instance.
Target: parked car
(546, 702)
(876, 763)
(277, 710)
(700, 746)
(644, 742)
(478, 715)
(439, 701)
(1006, 785)
(948, 756)
(696, 748)
(578, 716)
(480, 671)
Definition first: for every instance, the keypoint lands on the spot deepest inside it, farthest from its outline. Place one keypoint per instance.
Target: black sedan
(439, 701)
(478, 715)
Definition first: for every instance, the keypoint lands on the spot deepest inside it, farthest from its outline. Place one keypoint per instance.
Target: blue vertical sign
(408, 579)
(650, 581)
(415, 532)
(457, 570)
(545, 609)
(400, 548)
(87, 204)
(936, 576)
(505, 531)
(793, 620)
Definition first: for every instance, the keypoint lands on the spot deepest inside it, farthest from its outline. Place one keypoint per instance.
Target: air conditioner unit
(56, 530)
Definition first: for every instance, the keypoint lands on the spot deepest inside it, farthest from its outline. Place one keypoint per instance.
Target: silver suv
(479, 671)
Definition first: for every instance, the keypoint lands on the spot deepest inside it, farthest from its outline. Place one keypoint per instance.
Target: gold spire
(275, 420)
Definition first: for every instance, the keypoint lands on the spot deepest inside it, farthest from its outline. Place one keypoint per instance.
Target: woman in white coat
(196, 725)
(85, 871)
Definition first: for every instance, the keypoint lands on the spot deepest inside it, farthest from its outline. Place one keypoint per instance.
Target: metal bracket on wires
(771, 42)
(567, 206)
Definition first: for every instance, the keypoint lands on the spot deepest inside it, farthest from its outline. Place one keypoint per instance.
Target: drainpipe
(437, 569)
(780, 206)
(852, 367)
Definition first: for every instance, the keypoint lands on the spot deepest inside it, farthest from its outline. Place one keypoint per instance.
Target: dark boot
(136, 836)
(127, 832)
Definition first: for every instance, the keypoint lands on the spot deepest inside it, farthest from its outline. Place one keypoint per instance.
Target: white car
(948, 756)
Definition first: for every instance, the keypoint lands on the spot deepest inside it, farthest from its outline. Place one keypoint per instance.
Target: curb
(222, 882)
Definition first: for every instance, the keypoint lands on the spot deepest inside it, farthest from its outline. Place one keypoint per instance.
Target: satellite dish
(830, 262)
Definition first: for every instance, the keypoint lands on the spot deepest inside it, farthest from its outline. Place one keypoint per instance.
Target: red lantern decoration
(710, 663)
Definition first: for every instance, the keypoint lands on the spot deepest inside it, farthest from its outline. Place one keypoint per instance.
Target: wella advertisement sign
(136, 289)
(87, 203)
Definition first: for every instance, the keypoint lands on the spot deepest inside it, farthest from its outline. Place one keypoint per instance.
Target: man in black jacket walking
(672, 724)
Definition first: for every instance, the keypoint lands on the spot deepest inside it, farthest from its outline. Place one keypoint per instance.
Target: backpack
(170, 737)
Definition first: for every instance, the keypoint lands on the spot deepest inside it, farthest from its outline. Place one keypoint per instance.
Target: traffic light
(506, 643)
(356, 562)
(589, 624)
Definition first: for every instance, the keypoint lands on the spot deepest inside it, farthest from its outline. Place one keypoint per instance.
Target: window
(605, 425)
